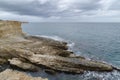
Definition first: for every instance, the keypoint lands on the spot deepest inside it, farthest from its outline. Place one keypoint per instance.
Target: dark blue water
(98, 41)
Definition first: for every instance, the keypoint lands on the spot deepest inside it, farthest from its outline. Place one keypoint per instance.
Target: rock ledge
(31, 52)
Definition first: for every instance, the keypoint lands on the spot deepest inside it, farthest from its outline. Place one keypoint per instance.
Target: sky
(60, 10)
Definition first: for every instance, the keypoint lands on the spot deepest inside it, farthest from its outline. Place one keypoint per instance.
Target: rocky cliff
(34, 53)
(10, 29)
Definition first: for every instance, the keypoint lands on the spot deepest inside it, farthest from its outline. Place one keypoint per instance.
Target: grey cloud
(115, 5)
(91, 5)
(31, 8)
(47, 9)
(50, 8)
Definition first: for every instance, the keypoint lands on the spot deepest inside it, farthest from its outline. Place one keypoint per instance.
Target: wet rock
(4, 67)
(3, 64)
(51, 72)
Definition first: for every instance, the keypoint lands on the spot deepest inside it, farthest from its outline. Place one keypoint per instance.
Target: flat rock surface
(9, 74)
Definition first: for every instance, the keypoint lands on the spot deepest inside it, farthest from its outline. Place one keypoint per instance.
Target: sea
(93, 40)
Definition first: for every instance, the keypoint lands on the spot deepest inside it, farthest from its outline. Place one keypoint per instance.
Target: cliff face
(10, 29)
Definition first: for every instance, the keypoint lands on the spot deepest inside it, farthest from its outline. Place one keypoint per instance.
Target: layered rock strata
(32, 53)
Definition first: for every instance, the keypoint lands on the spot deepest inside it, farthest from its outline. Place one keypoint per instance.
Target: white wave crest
(71, 45)
(115, 75)
(57, 38)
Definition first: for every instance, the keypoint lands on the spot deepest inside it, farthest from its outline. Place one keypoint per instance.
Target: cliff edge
(10, 29)
(33, 53)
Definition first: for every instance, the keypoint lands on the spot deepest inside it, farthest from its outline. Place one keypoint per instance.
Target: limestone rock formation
(10, 28)
(32, 53)
(9, 74)
(23, 65)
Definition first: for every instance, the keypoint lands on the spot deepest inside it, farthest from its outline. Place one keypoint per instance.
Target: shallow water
(97, 41)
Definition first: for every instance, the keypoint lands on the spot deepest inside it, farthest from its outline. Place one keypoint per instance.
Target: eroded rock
(32, 52)
(23, 65)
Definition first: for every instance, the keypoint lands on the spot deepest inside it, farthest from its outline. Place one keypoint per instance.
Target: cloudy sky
(61, 10)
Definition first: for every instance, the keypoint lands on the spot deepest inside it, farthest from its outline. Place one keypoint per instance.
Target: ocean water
(96, 41)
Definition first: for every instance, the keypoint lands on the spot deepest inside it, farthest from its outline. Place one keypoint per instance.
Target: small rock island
(32, 53)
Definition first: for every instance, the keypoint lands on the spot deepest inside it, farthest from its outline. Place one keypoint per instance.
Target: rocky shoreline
(31, 53)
